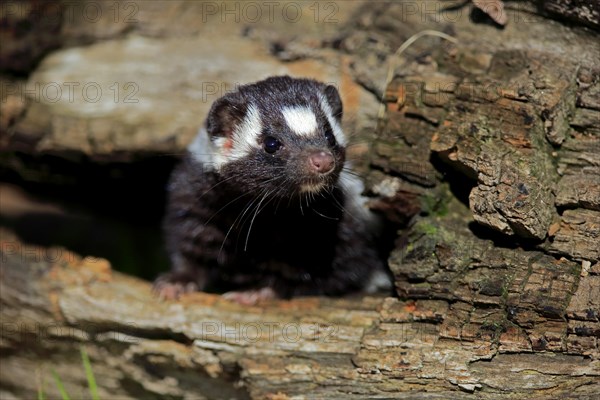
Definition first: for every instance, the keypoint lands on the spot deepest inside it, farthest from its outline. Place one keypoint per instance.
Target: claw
(168, 287)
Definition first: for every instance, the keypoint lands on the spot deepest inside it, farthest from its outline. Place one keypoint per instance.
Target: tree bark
(53, 302)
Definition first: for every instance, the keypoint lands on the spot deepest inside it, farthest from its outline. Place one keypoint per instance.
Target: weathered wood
(205, 347)
(582, 189)
(495, 128)
(585, 12)
(501, 120)
(578, 235)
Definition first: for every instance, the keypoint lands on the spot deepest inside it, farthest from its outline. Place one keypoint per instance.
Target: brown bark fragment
(579, 154)
(518, 300)
(580, 11)
(496, 131)
(525, 372)
(582, 189)
(579, 235)
(585, 303)
(588, 80)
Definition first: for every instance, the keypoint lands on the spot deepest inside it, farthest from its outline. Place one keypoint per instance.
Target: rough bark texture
(582, 12)
(486, 157)
(524, 324)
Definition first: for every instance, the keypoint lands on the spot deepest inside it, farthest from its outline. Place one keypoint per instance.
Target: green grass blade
(60, 387)
(41, 394)
(89, 374)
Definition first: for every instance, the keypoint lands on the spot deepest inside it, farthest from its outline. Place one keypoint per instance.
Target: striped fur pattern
(263, 201)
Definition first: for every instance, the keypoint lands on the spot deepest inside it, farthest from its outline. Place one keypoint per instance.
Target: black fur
(247, 225)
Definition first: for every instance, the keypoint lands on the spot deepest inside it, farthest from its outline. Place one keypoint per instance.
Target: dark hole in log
(112, 210)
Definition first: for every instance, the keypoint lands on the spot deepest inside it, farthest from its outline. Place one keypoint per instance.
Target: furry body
(262, 200)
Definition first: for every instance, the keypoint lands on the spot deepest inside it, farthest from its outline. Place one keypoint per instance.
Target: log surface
(370, 347)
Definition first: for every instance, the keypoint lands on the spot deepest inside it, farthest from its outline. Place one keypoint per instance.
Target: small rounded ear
(335, 101)
(225, 114)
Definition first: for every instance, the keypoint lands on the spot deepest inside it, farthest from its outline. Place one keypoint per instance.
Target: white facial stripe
(301, 120)
(214, 153)
(245, 136)
(335, 127)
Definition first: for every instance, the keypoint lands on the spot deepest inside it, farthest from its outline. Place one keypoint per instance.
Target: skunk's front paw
(171, 285)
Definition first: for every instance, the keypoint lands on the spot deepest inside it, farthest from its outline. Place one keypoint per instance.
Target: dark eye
(271, 144)
(329, 135)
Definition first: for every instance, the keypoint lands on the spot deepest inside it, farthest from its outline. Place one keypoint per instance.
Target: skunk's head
(280, 136)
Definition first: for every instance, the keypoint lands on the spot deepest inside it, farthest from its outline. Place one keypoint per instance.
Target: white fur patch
(207, 152)
(335, 127)
(212, 154)
(378, 281)
(356, 203)
(245, 136)
(301, 120)
(203, 151)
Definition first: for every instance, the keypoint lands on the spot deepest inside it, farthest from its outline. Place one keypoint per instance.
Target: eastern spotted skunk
(262, 203)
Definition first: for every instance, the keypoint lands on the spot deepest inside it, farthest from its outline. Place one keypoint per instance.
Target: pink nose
(321, 162)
